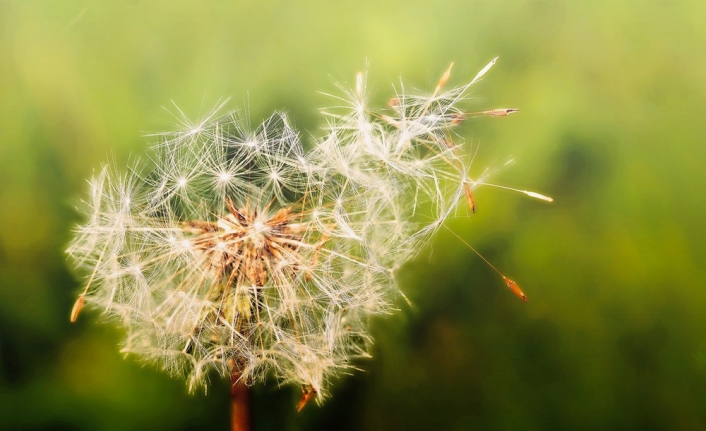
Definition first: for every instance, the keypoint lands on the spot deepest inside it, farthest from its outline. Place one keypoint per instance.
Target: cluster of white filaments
(237, 250)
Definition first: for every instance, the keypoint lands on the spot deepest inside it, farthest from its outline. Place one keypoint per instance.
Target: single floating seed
(515, 289)
(469, 197)
(503, 112)
(78, 306)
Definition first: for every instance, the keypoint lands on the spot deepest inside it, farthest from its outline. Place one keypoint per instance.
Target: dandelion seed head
(273, 259)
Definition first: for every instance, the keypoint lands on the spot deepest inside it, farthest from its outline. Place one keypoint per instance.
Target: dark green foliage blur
(612, 98)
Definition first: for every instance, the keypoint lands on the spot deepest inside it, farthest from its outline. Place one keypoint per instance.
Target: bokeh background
(612, 98)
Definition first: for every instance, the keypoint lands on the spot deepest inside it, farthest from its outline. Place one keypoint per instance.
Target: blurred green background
(612, 98)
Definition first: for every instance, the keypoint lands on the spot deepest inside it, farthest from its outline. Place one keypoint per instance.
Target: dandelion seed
(515, 289)
(510, 283)
(469, 197)
(78, 306)
(503, 112)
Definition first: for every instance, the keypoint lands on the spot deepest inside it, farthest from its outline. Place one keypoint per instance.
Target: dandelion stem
(239, 404)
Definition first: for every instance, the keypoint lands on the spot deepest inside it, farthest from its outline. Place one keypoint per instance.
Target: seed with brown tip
(515, 288)
(503, 112)
(469, 197)
(78, 306)
(308, 393)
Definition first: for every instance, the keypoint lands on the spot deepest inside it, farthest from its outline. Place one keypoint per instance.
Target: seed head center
(246, 246)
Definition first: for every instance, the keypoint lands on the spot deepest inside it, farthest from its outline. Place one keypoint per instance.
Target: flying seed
(515, 289)
(78, 306)
(469, 197)
(444, 79)
(510, 283)
(502, 112)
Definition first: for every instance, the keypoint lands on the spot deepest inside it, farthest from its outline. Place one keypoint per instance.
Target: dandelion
(235, 250)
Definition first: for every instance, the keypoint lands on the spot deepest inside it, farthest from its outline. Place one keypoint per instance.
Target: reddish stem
(239, 404)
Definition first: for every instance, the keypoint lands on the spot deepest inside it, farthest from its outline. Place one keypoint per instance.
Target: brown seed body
(78, 306)
(308, 393)
(515, 288)
(469, 197)
(503, 112)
